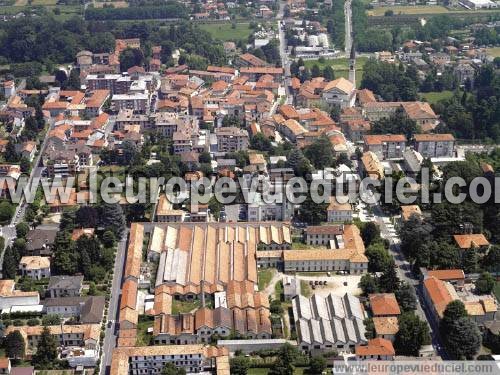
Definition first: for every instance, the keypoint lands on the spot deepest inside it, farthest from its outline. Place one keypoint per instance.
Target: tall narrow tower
(352, 66)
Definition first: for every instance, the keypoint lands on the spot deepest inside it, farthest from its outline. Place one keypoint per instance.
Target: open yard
(225, 31)
(495, 51)
(434, 96)
(340, 67)
(418, 9)
(264, 371)
(264, 277)
(65, 11)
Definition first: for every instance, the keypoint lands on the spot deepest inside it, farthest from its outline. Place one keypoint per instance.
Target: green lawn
(66, 11)
(264, 371)
(305, 289)
(183, 307)
(434, 97)
(420, 9)
(264, 277)
(143, 337)
(340, 67)
(225, 31)
(496, 290)
(278, 290)
(495, 51)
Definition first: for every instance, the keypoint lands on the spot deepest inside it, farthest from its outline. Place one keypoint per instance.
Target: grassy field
(495, 51)
(264, 278)
(264, 371)
(434, 97)
(225, 31)
(419, 9)
(66, 11)
(340, 67)
(496, 290)
(183, 307)
(143, 337)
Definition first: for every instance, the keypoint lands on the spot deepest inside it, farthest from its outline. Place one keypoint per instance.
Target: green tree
(317, 365)
(46, 352)
(369, 233)
(315, 71)
(25, 165)
(311, 212)
(328, 73)
(239, 365)
(131, 57)
(379, 258)
(108, 239)
(412, 334)
(406, 296)
(389, 281)
(281, 367)
(398, 123)
(299, 163)
(171, 369)
(320, 153)
(22, 230)
(51, 320)
(11, 154)
(10, 264)
(470, 261)
(6, 211)
(112, 218)
(454, 311)
(368, 284)
(463, 340)
(14, 345)
(485, 283)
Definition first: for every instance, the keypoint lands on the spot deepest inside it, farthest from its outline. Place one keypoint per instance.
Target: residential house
(389, 146)
(337, 212)
(384, 305)
(40, 241)
(35, 267)
(435, 145)
(65, 286)
(378, 348)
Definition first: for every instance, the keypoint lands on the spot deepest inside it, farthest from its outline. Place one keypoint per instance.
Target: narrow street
(404, 272)
(285, 62)
(348, 27)
(113, 310)
(9, 231)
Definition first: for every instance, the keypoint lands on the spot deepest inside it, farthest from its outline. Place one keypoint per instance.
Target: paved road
(285, 61)
(8, 231)
(348, 27)
(405, 274)
(110, 335)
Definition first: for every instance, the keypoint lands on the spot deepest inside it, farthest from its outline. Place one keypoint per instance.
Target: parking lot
(335, 284)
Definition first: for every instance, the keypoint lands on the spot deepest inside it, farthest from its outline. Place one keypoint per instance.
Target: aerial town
(123, 124)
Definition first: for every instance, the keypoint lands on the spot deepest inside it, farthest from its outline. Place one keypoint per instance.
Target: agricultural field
(418, 9)
(495, 51)
(63, 12)
(435, 96)
(225, 31)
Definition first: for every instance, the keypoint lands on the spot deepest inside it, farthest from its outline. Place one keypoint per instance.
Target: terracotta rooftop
(434, 137)
(467, 241)
(384, 304)
(439, 294)
(386, 325)
(446, 275)
(376, 347)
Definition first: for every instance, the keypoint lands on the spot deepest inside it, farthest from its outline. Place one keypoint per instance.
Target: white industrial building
(329, 323)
